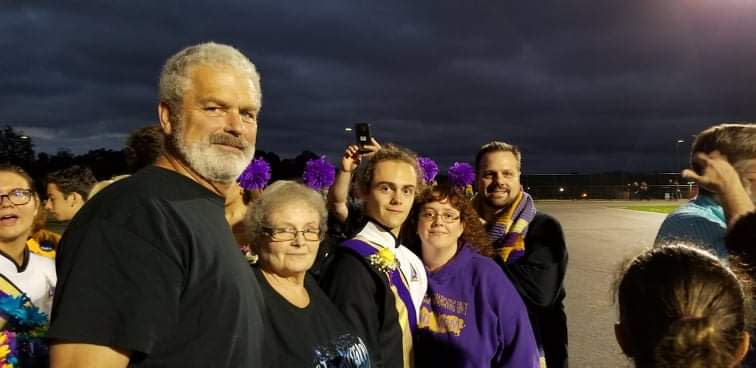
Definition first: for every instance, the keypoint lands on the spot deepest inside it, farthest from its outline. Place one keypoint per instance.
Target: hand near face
(717, 176)
(720, 177)
(353, 155)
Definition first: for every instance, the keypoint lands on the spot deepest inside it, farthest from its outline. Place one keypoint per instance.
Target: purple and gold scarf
(507, 232)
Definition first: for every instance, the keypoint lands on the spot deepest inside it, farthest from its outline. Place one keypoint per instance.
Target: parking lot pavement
(599, 237)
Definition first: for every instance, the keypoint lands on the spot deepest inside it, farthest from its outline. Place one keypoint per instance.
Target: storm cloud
(579, 85)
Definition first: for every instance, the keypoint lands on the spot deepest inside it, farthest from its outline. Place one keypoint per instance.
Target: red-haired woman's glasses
(447, 217)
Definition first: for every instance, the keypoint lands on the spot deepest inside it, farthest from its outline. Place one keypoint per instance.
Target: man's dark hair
(497, 146)
(75, 179)
(143, 147)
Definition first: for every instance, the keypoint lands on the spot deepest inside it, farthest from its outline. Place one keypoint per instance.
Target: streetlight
(347, 136)
(678, 162)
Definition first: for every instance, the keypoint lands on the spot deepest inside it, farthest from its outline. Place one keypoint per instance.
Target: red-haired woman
(472, 316)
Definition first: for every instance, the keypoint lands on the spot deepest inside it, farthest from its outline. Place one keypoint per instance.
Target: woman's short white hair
(276, 196)
(174, 77)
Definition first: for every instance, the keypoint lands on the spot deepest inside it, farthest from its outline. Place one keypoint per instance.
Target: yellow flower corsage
(384, 260)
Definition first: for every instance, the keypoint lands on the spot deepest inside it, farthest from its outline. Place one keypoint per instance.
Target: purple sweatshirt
(472, 316)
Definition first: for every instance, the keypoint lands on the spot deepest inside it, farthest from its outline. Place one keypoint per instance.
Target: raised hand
(353, 154)
(717, 174)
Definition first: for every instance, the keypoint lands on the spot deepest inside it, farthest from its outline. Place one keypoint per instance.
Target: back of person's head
(74, 179)
(389, 152)
(497, 146)
(737, 141)
(277, 195)
(681, 307)
(143, 147)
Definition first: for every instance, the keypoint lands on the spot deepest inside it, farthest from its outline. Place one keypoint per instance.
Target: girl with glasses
(27, 280)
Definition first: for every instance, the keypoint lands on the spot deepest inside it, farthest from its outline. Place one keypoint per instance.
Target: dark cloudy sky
(579, 85)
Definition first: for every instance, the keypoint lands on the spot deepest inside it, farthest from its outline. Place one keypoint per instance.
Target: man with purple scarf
(529, 245)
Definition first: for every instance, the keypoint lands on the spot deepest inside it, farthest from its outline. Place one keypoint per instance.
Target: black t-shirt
(150, 266)
(304, 337)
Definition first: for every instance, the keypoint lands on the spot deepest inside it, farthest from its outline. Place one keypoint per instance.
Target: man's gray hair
(279, 194)
(174, 78)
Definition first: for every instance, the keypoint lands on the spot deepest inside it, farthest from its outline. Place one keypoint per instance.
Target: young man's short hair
(75, 179)
(388, 152)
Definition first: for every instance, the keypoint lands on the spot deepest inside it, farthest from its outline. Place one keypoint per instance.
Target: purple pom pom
(319, 174)
(255, 176)
(461, 174)
(429, 168)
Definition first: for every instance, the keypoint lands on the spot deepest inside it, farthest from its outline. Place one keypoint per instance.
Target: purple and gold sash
(398, 285)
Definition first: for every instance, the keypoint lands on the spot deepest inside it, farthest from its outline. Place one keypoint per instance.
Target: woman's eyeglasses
(17, 196)
(447, 217)
(291, 234)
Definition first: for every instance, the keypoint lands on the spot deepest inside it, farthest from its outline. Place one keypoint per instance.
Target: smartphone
(362, 134)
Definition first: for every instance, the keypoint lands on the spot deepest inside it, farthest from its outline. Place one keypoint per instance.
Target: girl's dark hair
(6, 167)
(473, 234)
(681, 307)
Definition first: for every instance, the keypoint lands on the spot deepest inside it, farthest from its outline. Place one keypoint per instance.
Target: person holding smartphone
(345, 215)
(377, 282)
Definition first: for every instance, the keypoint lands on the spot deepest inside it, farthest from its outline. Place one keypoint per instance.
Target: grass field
(660, 208)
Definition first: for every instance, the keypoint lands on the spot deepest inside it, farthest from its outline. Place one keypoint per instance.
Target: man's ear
(164, 113)
(74, 198)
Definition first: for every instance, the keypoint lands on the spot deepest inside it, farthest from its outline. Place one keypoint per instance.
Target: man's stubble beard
(496, 206)
(210, 162)
(491, 203)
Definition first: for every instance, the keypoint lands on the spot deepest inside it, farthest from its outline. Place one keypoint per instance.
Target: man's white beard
(212, 163)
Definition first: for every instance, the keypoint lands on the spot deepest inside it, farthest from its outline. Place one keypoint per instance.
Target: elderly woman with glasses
(471, 316)
(303, 328)
(27, 280)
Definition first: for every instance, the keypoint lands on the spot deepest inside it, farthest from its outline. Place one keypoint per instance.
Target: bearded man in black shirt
(149, 272)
